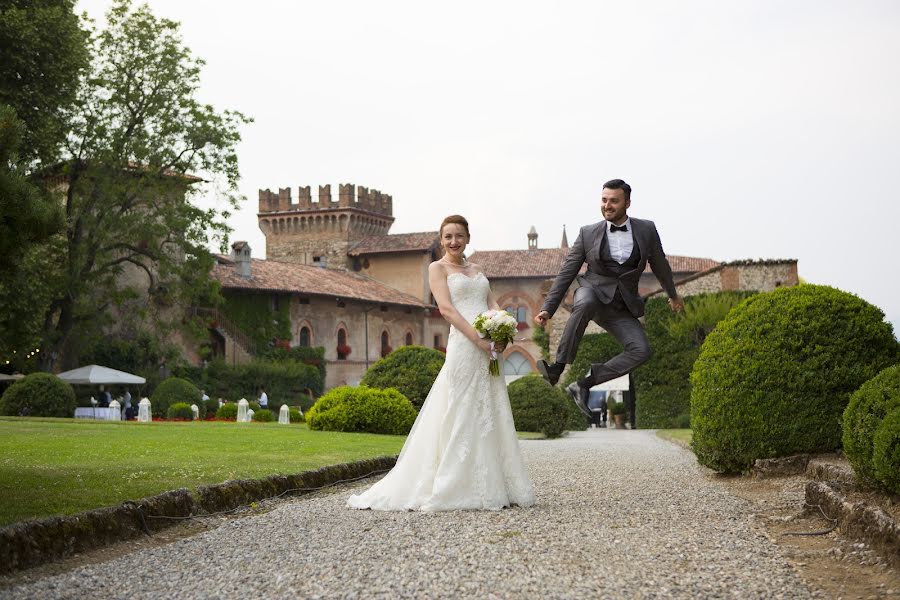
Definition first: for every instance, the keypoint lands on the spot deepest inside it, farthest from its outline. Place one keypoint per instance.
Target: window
(305, 336)
(343, 350)
(437, 341)
(275, 303)
(516, 364)
(522, 314)
(385, 344)
(409, 340)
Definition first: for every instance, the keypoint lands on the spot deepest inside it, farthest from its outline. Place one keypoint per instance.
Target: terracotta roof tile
(270, 275)
(397, 242)
(546, 262)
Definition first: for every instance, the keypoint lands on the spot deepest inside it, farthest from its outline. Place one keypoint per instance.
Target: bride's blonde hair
(453, 219)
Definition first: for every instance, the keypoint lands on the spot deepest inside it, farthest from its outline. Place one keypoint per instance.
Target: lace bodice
(469, 294)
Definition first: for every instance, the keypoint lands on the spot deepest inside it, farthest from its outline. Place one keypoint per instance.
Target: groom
(616, 251)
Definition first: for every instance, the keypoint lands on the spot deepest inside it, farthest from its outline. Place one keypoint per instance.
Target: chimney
(240, 253)
(532, 238)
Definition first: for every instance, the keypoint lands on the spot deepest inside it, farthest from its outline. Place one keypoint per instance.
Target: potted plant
(617, 412)
(343, 351)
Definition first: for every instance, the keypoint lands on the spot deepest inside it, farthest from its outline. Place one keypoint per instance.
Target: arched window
(305, 336)
(409, 339)
(343, 350)
(516, 365)
(522, 314)
(385, 344)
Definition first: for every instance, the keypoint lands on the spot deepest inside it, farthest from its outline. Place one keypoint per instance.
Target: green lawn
(682, 437)
(61, 466)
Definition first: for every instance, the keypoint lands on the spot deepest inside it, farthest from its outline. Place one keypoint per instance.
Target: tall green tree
(139, 143)
(44, 53)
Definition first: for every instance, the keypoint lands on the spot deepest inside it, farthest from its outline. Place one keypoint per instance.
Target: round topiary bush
(411, 370)
(171, 391)
(775, 375)
(263, 415)
(538, 406)
(868, 407)
(295, 416)
(180, 410)
(211, 407)
(886, 452)
(39, 395)
(227, 411)
(362, 409)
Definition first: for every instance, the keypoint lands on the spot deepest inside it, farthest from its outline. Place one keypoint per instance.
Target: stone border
(857, 520)
(31, 543)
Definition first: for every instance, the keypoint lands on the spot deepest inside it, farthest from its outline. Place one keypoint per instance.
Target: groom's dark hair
(618, 184)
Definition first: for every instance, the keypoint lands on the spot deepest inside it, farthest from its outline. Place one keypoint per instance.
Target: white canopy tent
(13, 377)
(95, 375)
(619, 383)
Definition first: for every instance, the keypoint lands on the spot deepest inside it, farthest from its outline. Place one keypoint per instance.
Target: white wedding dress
(462, 451)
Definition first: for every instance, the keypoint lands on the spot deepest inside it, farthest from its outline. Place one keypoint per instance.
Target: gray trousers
(618, 321)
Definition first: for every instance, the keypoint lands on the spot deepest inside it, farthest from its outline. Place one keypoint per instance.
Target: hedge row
(285, 381)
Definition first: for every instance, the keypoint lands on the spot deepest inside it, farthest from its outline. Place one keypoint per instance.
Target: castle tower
(319, 232)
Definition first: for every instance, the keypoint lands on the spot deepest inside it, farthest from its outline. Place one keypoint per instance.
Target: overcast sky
(755, 129)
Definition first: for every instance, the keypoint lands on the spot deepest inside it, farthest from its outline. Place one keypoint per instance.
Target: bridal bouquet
(498, 326)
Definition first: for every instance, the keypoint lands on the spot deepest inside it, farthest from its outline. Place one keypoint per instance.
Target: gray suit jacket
(587, 249)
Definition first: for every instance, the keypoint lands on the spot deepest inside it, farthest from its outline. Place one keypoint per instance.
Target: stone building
(360, 291)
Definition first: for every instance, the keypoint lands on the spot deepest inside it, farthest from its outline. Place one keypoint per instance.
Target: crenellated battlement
(349, 196)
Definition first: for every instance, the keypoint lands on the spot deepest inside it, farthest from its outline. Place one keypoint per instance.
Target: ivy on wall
(253, 314)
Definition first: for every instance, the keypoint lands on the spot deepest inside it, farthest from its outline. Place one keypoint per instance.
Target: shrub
(313, 356)
(285, 381)
(263, 415)
(411, 370)
(171, 391)
(538, 406)
(227, 411)
(362, 409)
(211, 406)
(295, 416)
(39, 395)
(886, 452)
(180, 410)
(662, 384)
(254, 406)
(868, 407)
(776, 374)
(616, 408)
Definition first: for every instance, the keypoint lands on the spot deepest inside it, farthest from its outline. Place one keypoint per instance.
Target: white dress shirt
(621, 243)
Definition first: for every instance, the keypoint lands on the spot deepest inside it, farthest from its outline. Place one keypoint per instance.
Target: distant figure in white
(263, 398)
(462, 451)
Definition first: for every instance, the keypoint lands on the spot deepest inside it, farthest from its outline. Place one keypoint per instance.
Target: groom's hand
(677, 303)
(542, 317)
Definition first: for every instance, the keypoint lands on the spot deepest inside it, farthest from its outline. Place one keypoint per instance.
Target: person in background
(263, 398)
(105, 398)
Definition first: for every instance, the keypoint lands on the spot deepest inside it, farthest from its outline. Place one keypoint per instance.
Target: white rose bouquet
(498, 326)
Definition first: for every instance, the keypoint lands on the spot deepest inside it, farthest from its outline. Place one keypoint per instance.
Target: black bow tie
(619, 228)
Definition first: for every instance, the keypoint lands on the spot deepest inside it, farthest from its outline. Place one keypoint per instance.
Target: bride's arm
(437, 280)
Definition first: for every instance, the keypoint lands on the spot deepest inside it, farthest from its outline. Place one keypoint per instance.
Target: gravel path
(620, 514)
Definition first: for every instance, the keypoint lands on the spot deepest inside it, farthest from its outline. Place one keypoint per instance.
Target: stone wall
(404, 271)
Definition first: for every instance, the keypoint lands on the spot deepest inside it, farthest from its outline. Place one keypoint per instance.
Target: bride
(462, 451)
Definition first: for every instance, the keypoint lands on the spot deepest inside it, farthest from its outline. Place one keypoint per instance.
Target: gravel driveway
(620, 514)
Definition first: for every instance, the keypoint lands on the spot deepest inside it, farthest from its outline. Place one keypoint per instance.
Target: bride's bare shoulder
(437, 268)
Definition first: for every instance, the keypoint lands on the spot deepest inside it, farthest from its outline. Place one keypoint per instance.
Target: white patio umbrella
(95, 374)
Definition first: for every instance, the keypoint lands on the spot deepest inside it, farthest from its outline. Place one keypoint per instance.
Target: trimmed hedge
(538, 406)
(285, 381)
(868, 408)
(362, 409)
(180, 410)
(295, 416)
(227, 411)
(172, 391)
(662, 384)
(886, 452)
(411, 370)
(39, 395)
(776, 374)
(263, 415)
